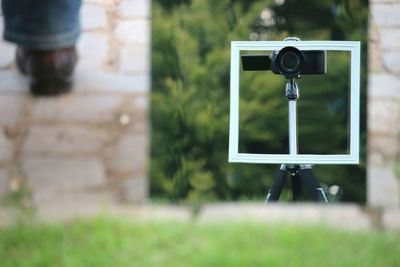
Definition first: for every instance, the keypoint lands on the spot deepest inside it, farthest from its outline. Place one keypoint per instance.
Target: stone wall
(89, 147)
(384, 105)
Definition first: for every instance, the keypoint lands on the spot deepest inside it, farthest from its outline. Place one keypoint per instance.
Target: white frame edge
(352, 158)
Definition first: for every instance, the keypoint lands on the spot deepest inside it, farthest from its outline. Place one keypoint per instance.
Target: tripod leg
(310, 181)
(276, 189)
(296, 187)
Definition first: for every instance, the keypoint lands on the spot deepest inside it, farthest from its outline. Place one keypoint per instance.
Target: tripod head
(292, 90)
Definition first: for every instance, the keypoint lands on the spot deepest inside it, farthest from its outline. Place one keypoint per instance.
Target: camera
(289, 62)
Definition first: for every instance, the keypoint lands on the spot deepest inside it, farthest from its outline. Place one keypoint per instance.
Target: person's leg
(45, 32)
(41, 24)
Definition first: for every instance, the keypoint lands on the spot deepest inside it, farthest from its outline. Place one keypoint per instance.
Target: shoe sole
(50, 87)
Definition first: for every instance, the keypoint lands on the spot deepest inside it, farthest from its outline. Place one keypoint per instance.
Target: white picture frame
(351, 158)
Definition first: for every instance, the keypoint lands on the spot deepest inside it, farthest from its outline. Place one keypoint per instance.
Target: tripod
(300, 174)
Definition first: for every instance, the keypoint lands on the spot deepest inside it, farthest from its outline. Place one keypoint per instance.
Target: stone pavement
(89, 148)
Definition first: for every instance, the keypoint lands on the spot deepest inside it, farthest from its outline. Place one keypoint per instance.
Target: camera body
(289, 62)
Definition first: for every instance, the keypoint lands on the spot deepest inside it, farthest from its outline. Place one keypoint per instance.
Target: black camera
(289, 62)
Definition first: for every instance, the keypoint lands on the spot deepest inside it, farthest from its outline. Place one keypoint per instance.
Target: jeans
(41, 24)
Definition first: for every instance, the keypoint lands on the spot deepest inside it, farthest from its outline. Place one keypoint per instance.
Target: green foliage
(111, 242)
(190, 99)
(19, 203)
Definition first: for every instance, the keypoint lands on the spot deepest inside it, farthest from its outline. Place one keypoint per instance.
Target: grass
(115, 242)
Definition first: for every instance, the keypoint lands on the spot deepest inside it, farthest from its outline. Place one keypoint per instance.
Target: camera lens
(290, 61)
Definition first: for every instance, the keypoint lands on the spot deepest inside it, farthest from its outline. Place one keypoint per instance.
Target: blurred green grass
(107, 241)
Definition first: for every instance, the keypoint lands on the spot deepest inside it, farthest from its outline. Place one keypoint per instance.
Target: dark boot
(49, 71)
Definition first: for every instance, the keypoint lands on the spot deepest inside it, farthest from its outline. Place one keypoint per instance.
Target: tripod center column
(293, 127)
(292, 93)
